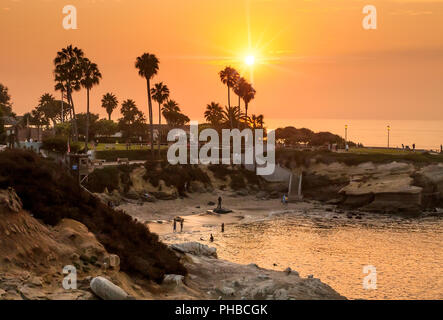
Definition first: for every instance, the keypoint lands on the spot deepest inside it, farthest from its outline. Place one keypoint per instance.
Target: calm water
(407, 253)
(425, 134)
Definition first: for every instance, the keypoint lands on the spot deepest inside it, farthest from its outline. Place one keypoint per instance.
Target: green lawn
(398, 152)
(122, 146)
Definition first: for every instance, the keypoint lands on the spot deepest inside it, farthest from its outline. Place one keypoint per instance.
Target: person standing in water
(211, 238)
(175, 226)
(223, 227)
(219, 206)
(181, 225)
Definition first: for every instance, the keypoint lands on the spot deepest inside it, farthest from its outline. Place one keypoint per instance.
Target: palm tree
(214, 113)
(171, 106)
(248, 94)
(91, 77)
(229, 76)
(147, 66)
(240, 88)
(68, 74)
(109, 102)
(160, 93)
(232, 116)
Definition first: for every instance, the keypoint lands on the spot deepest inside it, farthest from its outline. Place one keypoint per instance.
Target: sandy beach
(197, 216)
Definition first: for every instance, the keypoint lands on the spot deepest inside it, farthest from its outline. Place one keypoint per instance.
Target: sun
(249, 60)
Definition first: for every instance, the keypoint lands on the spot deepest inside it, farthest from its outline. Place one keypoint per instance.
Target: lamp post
(389, 131)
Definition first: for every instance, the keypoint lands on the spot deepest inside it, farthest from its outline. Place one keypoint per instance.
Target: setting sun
(250, 60)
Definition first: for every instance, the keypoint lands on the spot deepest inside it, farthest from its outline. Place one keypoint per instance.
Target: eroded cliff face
(33, 255)
(394, 187)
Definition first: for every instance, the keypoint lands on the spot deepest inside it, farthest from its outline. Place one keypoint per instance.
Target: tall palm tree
(214, 113)
(91, 77)
(160, 93)
(147, 66)
(67, 75)
(240, 88)
(229, 76)
(248, 94)
(109, 102)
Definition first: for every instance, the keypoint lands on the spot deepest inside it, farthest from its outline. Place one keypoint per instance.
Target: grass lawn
(399, 152)
(122, 146)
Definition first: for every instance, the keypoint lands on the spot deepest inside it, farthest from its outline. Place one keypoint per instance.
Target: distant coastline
(426, 134)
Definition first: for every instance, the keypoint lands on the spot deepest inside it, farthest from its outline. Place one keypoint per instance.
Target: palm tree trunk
(109, 115)
(53, 126)
(150, 118)
(159, 128)
(246, 110)
(87, 121)
(229, 107)
(74, 118)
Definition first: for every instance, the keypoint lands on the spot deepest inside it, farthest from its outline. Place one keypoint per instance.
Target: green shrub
(51, 194)
(174, 175)
(60, 144)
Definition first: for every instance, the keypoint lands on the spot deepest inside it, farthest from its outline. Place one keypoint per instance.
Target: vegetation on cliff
(50, 194)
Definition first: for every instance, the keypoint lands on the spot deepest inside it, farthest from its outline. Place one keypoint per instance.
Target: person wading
(219, 206)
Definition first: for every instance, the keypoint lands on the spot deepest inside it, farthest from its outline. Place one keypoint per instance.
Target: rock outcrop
(395, 187)
(195, 248)
(227, 280)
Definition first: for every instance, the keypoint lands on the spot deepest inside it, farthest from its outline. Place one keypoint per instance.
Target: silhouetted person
(175, 225)
(223, 227)
(211, 238)
(441, 148)
(402, 146)
(219, 206)
(181, 225)
(413, 146)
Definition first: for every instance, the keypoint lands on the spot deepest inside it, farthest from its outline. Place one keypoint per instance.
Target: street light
(389, 130)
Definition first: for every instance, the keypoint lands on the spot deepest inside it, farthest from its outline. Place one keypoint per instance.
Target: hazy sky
(314, 59)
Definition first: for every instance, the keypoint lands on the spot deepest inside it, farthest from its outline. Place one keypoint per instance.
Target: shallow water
(407, 253)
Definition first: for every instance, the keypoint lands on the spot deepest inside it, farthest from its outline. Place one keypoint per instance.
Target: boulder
(174, 279)
(195, 248)
(106, 290)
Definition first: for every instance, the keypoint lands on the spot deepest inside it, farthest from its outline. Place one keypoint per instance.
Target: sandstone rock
(195, 248)
(10, 201)
(227, 291)
(106, 290)
(174, 279)
(281, 294)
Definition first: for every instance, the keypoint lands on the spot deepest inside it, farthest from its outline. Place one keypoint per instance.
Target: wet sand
(195, 211)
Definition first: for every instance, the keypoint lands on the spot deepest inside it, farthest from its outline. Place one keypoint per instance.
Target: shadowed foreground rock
(217, 279)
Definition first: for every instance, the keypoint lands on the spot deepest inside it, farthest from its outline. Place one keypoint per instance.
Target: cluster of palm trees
(74, 71)
(233, 116)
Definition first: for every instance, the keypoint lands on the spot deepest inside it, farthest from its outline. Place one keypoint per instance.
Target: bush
(175, 175)
(60, 144)
(51, 194)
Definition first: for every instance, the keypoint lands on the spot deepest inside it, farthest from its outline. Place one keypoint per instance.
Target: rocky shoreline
(33, 257)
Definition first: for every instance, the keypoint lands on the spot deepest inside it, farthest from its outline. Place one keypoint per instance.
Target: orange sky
(314, 60)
